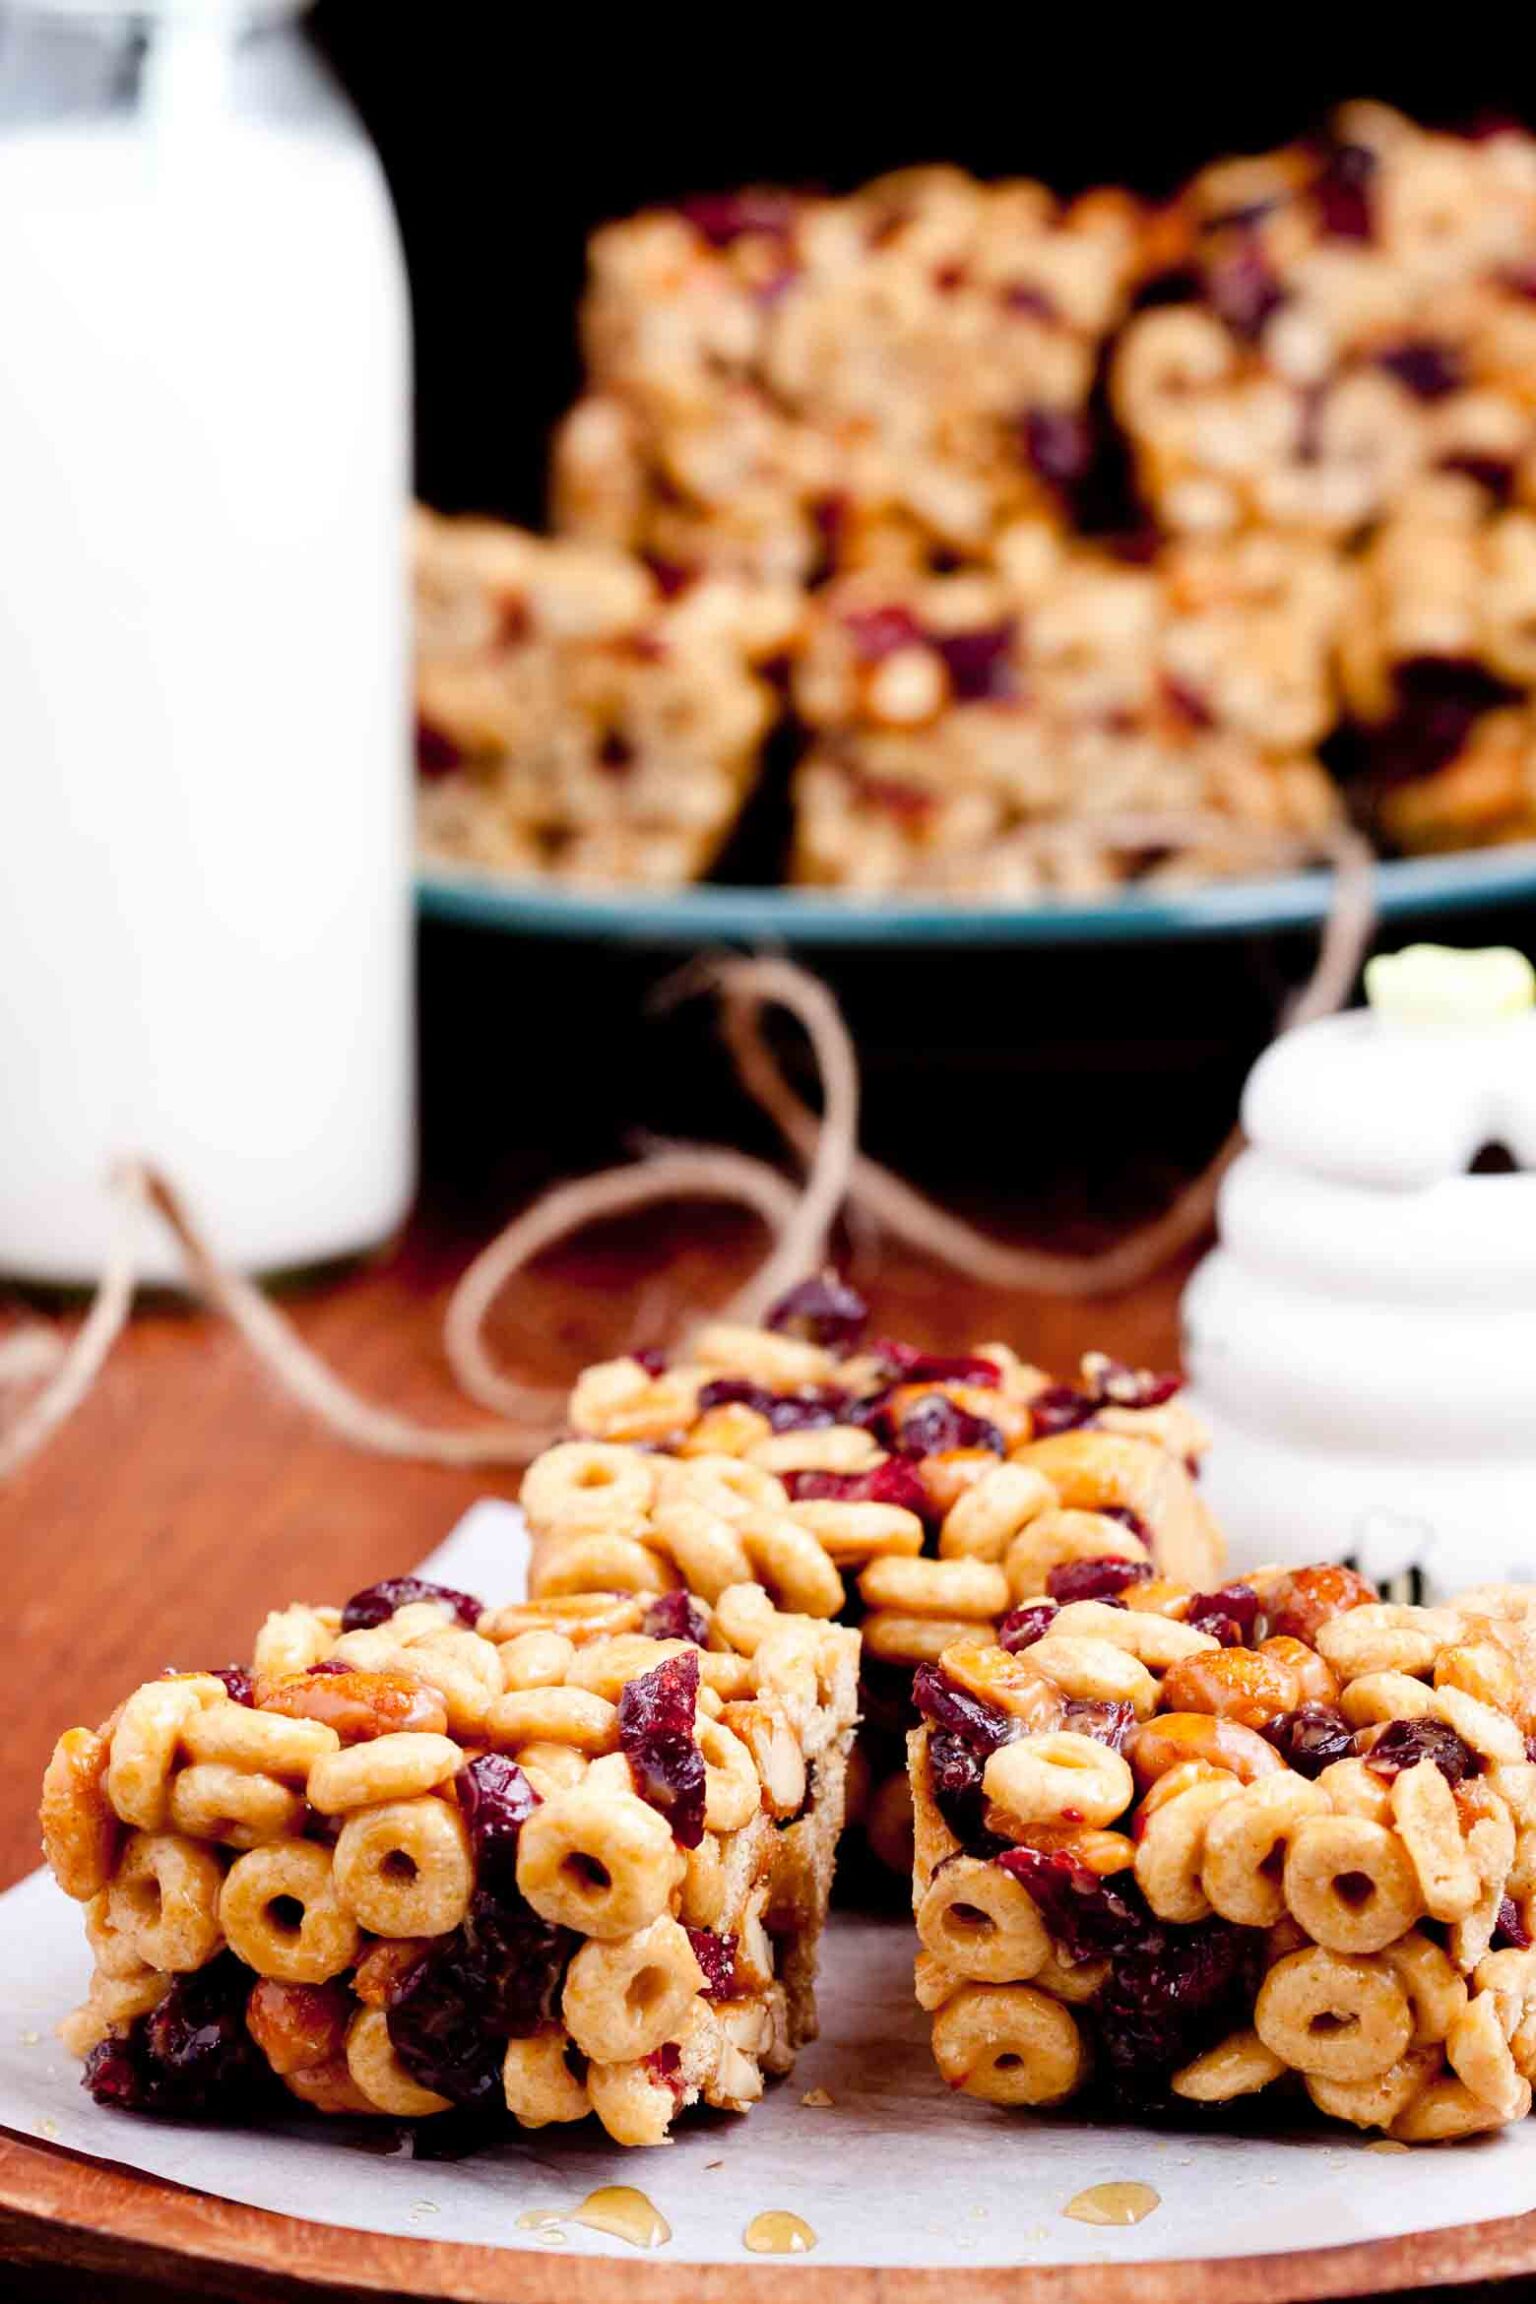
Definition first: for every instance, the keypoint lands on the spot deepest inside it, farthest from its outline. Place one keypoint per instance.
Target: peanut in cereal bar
(558, 1859)
(929, 1494)
(1067, 720)
(574, 718)
(1280, 1839)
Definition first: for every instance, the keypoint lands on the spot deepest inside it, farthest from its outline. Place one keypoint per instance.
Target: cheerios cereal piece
(1059, 1777)
(1345, 2019)
(1350, 1883)
(404, 1869)
(1240, 2065)
(1009, 2044)
(602, 1863)
(981, 1924)
(163, 1900)
(379, 2073)
(540, 2087)
(624, 1998)
(281, 1914)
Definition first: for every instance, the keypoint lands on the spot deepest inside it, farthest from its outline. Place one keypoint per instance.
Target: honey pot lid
(1406, 1091)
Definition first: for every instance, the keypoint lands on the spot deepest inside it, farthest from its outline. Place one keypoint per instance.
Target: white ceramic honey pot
(1362, 1341)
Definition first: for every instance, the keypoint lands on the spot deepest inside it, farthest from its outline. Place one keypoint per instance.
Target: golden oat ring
(624, 1999)
(1245, 1845)
(1479, 2055)
(1009, 2044)
(80, 1830)
(761, 1356)
(982, 1924)
(1156, 1641)
(564, 1565)
(538, 2082)
(974, 1589)
(395, 1767)
(144, 1747)
(574, 1716)
(1446, 2109)
(984, 1520)
(212, 1801)
(280, 1912)
(164, 1901)
(1326, 2013)
(789, 1561)
(703, 1545)
(1378, 2101)
(1436, 1993)
(266, 1743)
(404, 1869)
(1424, 1811)
(821, 1448)
(116, 1955)
(1170, 1853)
(535, 1659)
(730, 1485)
(1349, 1884)
(1092, 1471)
(1094, 1671)
(1240, 2065)
(588, 1487)
(901, 1639)
(851, 1535)
(379, 2073)
(1377, 1697)
(1060, 1777)
(598, 1861)
(634, 2105)
(293, 1638)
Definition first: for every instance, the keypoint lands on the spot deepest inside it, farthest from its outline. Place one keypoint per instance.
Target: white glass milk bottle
(205, 918)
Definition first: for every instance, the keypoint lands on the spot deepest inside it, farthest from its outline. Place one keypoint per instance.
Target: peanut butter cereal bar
(792, 384)
(1278, 1837)
(925, 1493)
(574, 718)
(564, 1858)
(1066, 720)
(1341, 317)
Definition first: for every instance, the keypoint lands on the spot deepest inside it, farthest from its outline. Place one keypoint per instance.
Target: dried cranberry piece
(1494, 474)
(716, 1955)
(943, 1705)
(954, 1777)
(1030, 303)
(722, 218)
(1430, 371)
(1170, 1997)
(1118, 1386)
(1243, 290)
(656, 1717)
(191, 2054)
(497, 1977)
(1186, 703)
(1311, 1738)
(496, 1801)
(910, 1364)
(1230, 1615)
(813, 1406)
(1511, 1933)
(1086, 1917)
(1177, 284)
(937, 1425)
(1058, 445)
(1404, 1743)
(1106, 1723)
(1342, 190)
(824, 1311)
(676, 1616)
(1095, 1579)
(378, 1602)
(1060, 1408)
(666, 2064)
(1439, 701)
(979, 663)
(893, 1482)
(436, 754)
(238, 1682)
(1022, 1627)
(879, 632)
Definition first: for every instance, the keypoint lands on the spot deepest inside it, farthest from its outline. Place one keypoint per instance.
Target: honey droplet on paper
(1388, 2144)
(1113, 2204)
(625, 2214)
(777, 2233)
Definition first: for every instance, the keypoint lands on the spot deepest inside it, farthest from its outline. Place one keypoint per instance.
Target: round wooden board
(85, 2216)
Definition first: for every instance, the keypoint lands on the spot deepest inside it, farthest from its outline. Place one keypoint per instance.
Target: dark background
(508, 132)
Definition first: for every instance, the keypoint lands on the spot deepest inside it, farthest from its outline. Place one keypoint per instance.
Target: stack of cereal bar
(1279, 1838)
(923, 1494)
(562, 1858)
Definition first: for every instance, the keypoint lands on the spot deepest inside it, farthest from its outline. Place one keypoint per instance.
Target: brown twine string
(799, 1221)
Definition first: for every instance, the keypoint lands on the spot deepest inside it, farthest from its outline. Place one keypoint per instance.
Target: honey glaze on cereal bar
(927, 1493)
(1280, 1839)
(563, 1858)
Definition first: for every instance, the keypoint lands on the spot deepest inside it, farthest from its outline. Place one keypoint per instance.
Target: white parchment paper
(896, 2172)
